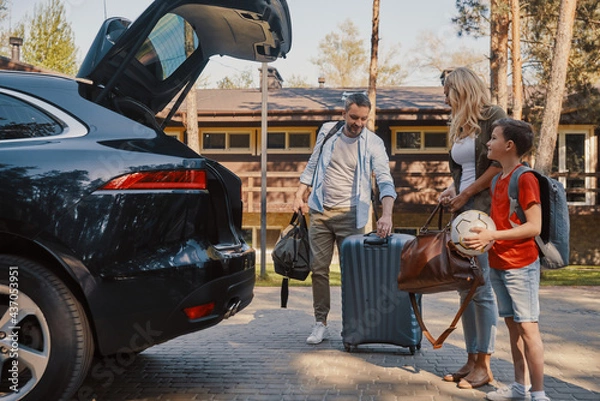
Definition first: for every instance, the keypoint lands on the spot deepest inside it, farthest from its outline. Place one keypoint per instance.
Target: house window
(419, 139)
(230, 141)
(290, 140)
(574, 161)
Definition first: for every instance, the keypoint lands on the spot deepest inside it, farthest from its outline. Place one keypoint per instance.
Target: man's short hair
(359, 99)
(520, 132)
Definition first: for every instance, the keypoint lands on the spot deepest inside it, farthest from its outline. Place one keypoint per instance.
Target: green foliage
(296, 81)
(473, 18)
(344, 60)
(433, 53)
(388, 72)
(539, 20)
(343, 57)
(3, 9)
(48, 40)
(242, 80)
(540, 24)
(4, 34)
(538, 37)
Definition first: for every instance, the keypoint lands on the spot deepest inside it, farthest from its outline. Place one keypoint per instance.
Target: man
(339, 172)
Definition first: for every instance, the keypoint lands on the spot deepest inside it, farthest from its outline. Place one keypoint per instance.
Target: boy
(514, 261)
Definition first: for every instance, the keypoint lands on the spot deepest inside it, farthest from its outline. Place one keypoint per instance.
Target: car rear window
(165, 48)
(20, 120)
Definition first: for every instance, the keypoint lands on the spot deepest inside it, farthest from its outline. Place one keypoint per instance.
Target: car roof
(164, 50)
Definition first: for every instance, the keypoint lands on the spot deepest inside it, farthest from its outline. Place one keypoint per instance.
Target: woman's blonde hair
(468, 97)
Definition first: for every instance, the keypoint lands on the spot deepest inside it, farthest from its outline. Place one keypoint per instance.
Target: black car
(114, 236)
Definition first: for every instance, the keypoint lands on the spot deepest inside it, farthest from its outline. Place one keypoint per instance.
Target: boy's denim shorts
(517, 292)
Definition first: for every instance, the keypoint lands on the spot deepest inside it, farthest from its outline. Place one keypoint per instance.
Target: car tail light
(174, 179)
(196, 312)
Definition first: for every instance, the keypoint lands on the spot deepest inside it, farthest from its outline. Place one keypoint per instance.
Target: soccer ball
(461, 227)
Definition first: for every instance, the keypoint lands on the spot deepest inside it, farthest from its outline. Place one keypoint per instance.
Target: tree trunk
(373, 66)
(499, 26)
(373, 87)
(556, 87)
(191, 120)
(517, 63)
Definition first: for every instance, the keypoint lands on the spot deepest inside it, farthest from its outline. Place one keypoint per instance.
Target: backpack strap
(331, 133)
(336, 127)
(513, 194)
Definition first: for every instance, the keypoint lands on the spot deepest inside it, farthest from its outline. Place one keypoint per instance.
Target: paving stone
(261, 355)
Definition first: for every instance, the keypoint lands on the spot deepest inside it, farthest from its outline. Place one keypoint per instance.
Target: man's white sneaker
(507, 393)
(543, 398)
(319, 332)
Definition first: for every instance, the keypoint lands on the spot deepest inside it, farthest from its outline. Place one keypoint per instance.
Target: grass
(273, 279)
(569, 276)
(575, 275)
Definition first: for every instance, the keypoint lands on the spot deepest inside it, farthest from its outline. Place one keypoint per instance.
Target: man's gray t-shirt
(339, 188)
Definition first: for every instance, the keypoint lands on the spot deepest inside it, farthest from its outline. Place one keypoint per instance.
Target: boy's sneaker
(319, 332)
(507, 393)
(542, 398)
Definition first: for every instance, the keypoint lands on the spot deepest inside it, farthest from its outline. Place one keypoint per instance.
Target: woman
(472, 115)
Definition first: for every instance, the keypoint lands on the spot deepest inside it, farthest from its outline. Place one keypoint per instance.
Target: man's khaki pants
(326, 229)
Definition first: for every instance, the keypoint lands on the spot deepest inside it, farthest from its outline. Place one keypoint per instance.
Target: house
(412, 121)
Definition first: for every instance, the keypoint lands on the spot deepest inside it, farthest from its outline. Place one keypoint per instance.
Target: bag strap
(298, 220)
(439, 209)
(284, 291)
(437, 343)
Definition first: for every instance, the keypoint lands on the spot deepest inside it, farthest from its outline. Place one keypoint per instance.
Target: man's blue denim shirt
(372, 158)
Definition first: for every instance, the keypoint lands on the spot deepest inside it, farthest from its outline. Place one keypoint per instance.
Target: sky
(401, 22)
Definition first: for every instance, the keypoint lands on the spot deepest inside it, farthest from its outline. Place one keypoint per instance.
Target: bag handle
(372, 238)
(298, 220)
(439, 209)
(437, 343)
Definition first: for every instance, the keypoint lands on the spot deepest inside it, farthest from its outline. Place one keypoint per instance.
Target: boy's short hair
(359, 99)
(520, 132)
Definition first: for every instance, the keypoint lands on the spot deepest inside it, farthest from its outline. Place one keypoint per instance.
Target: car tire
(54, 348)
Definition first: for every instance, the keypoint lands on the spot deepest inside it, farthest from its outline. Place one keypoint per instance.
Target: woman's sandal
(466, 384)
(455, 377)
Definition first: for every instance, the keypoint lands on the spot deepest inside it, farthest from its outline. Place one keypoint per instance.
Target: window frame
(311, 131)
(229, 131)
(590, 153)
(422, 130)
(72, 128)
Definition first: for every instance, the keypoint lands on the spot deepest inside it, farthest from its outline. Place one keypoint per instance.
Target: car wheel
(46, 344)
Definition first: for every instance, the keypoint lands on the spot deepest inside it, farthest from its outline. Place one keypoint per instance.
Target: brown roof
(8, 64)
(237, 105)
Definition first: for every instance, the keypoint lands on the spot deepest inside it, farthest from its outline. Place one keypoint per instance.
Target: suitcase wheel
(349, 347)
(412, 348)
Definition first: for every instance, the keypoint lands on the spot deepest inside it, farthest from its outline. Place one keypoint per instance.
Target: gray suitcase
(373, 309)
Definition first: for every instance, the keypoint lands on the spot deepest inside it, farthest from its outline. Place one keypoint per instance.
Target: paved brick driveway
(260, 354)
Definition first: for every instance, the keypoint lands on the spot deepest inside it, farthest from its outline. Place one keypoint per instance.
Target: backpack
(553, 241)
(291, 254)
